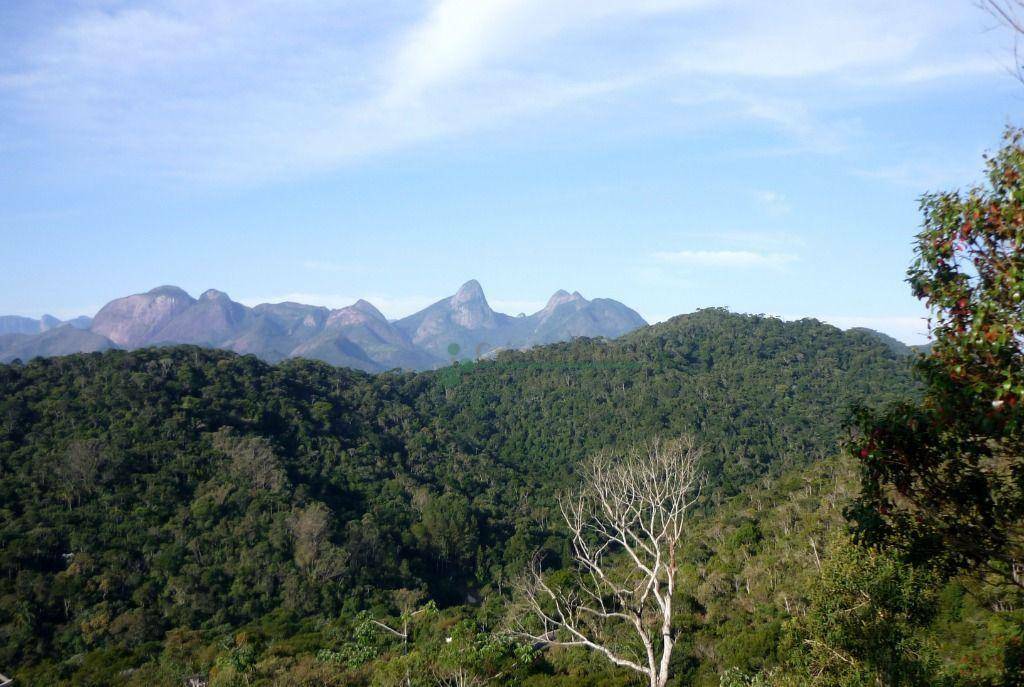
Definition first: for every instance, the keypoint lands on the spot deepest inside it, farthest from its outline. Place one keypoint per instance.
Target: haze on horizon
(670, 154)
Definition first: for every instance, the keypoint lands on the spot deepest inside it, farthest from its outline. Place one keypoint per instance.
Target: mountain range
(460, 327)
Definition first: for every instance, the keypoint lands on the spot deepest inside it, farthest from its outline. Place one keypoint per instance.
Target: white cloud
(801, 39)
(807, 129)
(979, 66)
(931, 174)
(758, 239)
(772, 202)
(228, 92)
(739, 259)
(457, 38)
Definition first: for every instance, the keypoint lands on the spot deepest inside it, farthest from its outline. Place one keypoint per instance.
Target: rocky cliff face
(213, 320)
(381, 341)
(571, 315)
(462, 326)
(132, 321)
(469, 308)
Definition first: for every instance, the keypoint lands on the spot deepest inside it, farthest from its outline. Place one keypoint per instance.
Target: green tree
(863, 627)
(944, 477)
(449, 528)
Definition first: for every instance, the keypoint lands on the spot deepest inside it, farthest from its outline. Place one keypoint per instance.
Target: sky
(670, 154)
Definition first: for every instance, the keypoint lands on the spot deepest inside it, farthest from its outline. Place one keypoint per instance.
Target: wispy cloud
(977, 66)
(733, 259)
(228, 92)
(927, 175)
(799, 39)
(772, 202)
(763, 241)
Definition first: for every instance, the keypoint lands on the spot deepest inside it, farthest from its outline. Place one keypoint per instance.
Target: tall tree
(626, 521)
(945, 477)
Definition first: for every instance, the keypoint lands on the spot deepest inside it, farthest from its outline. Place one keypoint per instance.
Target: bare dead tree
(407, 601)
(320, 559)
(1009, 13)
(457, 677)
(627, 521)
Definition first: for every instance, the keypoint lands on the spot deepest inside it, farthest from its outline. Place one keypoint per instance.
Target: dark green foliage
(863, 626)
(156, 502)
(751, 388)
(944, 478)
(806, 606)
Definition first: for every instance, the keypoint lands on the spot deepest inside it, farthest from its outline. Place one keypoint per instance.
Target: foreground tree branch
(1009, 13)
(626, 522)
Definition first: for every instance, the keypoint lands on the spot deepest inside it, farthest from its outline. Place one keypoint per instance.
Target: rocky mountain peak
(360, 312)
(129, 321)
(561, 297)
(470, 308)
(48, 322)
(358, 335)
(470, 292)
(368, 308)
(214, 295)
(170, 291)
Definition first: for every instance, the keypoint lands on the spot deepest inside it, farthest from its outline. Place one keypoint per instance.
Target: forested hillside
(154, 503)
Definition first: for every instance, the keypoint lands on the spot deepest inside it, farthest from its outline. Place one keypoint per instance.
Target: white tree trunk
(626, 521)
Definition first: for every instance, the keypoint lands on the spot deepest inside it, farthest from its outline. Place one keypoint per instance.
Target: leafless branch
(626, 521)
(1009, 13)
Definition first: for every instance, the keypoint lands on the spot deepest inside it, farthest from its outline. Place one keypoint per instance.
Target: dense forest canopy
(160, 491)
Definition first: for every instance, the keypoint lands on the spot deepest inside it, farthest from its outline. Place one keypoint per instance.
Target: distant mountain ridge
(462, 326)
(15, 324)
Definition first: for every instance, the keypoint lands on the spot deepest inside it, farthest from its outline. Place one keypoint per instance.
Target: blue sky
(672, 154)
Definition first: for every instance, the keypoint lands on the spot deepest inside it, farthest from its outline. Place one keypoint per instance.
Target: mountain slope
(9, 341)
(568, 316)
(335, 349)
(383, 342)
(133, 320)
(211, 320)
(464, 320)
(897, 346)
(467, 321)
(196, 491)
(736, 378)
(63, 340)
(276, 329)
(357, 336)
(14, 324)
